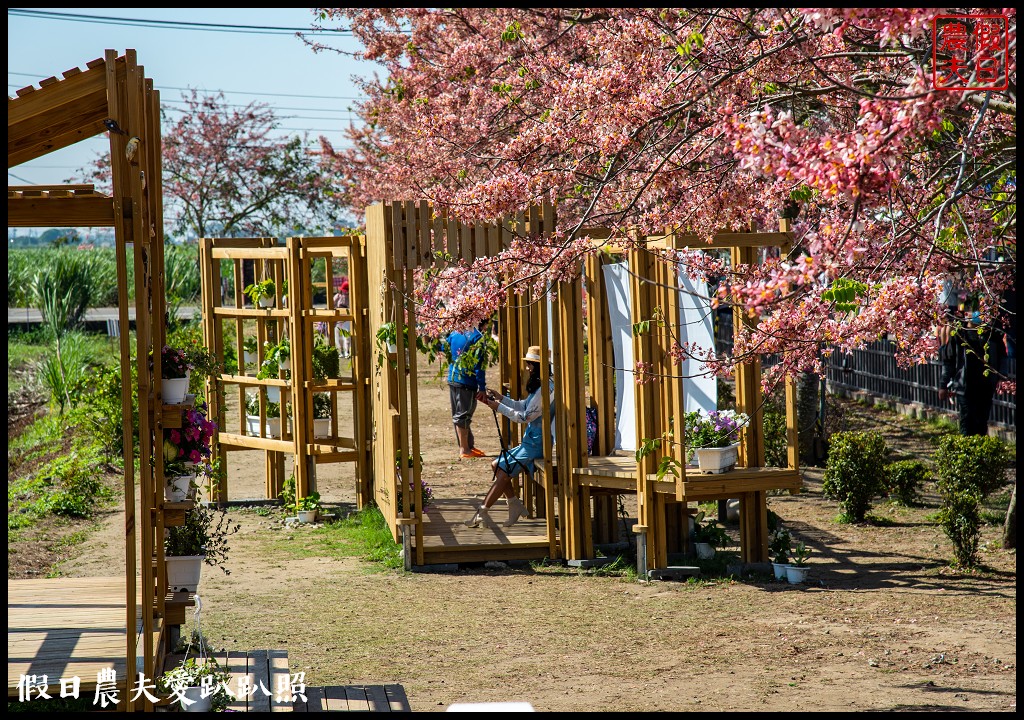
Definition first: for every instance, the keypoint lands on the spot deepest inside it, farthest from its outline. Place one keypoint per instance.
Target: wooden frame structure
(401, 239)
(112, 94)
(662, 504)
(293, 317)
(404, 237)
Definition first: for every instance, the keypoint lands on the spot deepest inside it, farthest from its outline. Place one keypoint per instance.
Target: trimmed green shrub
(904, 479)
(976, 462)
(854, 471)
(970, 467)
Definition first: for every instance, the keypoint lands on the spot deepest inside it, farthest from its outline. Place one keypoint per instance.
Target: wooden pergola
(570, 495)
(64, 627)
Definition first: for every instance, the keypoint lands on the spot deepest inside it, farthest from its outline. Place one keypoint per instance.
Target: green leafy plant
(250, 345)
(274, 355)
(326, 361)
(780, 544)
(258, 291)
(310, 502)
(854, 471)
(800, 554)
(904, 480)
(970, 467)
(707, 530)
(198, 672)
(973, 461)
(322, 406)
(204, 532)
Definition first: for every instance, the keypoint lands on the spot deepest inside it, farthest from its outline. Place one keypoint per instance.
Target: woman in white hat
(507, 465)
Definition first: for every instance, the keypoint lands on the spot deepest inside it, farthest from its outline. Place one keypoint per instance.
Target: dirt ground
(884, 623)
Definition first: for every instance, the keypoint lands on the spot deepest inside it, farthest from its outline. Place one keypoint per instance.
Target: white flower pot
(177, 487)
(200, 703)
(780, 570)
(307, 516)
(321, 427)
(796, 574)
(273, 393)
(267, 302)
(717, 460)
(704, 550)
(286, 364)
(174, 389)
(252, 426)
(184, 572)
(249, 358)
(393, 348)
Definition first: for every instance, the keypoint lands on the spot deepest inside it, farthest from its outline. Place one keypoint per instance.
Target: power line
(173, 24)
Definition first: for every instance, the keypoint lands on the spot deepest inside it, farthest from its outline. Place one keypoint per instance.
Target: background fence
(874, 370)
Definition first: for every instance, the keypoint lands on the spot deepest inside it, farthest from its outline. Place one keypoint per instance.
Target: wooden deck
(268, 669)
(446, 539)
(66, 627)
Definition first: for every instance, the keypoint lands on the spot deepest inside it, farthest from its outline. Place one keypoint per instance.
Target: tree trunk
(1010, 526)
(807, 413)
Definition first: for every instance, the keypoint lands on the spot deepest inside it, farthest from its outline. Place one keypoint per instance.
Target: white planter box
(267, 302)
(307, 516)
(184, 573)
(321, 427)
(796, 574)
(174, 389)
(717, 460)
(273, 393)
(704, 550)
(252, 426)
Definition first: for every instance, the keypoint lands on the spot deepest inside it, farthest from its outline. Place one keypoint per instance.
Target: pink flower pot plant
(191, 442)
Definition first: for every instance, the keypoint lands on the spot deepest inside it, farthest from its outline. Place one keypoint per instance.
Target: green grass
(65, 482)
(364, 535)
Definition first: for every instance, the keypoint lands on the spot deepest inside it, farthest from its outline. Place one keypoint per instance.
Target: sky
(308, 91)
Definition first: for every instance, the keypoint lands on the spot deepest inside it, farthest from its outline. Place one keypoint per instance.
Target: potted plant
(426, 492)
(261, 294)
(179, 477)
(252, 417)
(249, 351)
(308, 507)
(200, 684)
(323, 405)
(184, 449)
(387, 337)
(712, 438)
(276, 357)
(201, 539)
(796, 571)
(175, 371)
(326, 361)
(707, 536)
(779, 547)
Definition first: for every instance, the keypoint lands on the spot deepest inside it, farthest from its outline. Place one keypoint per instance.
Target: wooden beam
(86, 211)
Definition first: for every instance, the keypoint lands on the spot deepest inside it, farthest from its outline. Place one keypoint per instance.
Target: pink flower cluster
(194, 437)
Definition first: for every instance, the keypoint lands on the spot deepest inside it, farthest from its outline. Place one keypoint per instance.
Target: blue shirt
(458, 343)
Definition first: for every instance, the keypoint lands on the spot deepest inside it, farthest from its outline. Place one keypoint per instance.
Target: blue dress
(529, 411)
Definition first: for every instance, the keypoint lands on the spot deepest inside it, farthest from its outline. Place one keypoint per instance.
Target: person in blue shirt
(509, 464)
(466, 378)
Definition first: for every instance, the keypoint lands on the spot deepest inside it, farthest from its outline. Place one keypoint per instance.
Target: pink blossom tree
(637, 120)
(227, 173)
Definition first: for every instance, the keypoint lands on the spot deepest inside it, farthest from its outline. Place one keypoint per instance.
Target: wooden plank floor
(268, 669)
(66, 627)
(446, 539)
(355, 698)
